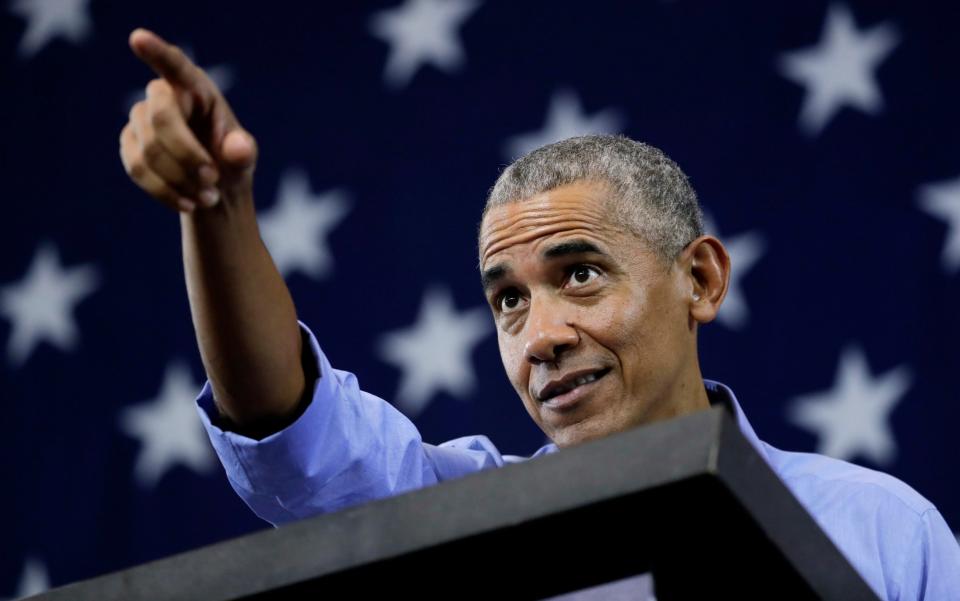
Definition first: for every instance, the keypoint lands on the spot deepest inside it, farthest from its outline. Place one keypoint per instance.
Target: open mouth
(565, 387)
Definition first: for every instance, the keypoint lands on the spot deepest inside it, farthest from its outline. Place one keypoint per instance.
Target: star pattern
(40, 307)
(434, 353)
(169, 431)
(422, 32)
(416, 114)
(33, 579)
(840, 70)
(942, 200)
(565, 119)
(853, 418)
(295, 229)
(745, 250)
(48, 19)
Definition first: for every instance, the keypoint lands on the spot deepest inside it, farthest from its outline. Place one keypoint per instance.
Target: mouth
(570, 388)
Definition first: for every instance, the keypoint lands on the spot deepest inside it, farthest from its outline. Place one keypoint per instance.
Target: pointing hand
(183, 145)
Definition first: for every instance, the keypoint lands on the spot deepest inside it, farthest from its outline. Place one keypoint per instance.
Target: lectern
(688, 500)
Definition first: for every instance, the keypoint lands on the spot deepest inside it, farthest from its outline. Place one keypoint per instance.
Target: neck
(688, 396)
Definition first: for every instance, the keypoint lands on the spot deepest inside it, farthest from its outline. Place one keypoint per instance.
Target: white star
(168, 429)
(840, 70)
(942, 200)
(745, 250)
(295, 229)
(853, 418)
(565, 119)
(47, 19)
(40, 306)
(33, 579)
(420, 32)
(222, 76)
(434, 353)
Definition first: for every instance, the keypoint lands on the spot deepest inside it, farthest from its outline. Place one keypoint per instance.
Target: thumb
(238, 158)
(239, 150)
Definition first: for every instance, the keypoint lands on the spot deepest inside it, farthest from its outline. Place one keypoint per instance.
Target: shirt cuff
(286, 455)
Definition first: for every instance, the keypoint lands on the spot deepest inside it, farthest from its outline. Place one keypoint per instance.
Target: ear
(707, 267)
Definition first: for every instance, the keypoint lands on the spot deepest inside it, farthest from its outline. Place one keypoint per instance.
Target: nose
(549, 333)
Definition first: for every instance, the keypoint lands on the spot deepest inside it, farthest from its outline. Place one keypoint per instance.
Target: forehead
(577, 209)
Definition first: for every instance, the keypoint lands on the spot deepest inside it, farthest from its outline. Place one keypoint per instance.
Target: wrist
(229, 213)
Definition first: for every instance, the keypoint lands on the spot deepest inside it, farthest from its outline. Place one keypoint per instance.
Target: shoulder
(823, 483)
(892, 535)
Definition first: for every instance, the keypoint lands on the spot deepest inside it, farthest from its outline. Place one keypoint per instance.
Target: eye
(509, 300)
(581, 275)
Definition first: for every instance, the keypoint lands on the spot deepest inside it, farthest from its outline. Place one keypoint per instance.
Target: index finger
(168, 61)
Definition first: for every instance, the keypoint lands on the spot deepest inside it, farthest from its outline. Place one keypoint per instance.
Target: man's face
(594, 330)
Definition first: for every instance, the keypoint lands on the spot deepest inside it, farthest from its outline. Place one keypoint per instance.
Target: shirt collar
(718, 395)
(721, 394)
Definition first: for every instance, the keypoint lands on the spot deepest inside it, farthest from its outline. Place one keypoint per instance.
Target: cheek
(512, 359)
(637, 330)
(653, 336)
(623, 324)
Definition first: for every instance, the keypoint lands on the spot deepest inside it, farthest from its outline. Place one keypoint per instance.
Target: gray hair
(650, 196)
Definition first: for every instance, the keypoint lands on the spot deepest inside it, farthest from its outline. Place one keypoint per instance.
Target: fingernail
(185, 204)
(207, 174)
(209, 196)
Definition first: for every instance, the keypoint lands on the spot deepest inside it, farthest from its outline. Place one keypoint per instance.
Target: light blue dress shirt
(349, 447)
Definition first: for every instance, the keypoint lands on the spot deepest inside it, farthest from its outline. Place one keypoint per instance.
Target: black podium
(688, 500)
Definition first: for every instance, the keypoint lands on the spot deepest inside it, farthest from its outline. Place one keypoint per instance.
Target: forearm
(184, 146)
(243, 314)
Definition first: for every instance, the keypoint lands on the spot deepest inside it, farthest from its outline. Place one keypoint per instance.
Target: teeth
(578, 382)
(584, 379)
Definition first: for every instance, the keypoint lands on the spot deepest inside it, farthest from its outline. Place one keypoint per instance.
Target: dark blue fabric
(845, 254)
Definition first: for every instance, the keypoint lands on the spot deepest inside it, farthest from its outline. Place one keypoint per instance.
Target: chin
(579, 433)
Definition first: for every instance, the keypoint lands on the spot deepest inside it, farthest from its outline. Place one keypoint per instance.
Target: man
(598, 274)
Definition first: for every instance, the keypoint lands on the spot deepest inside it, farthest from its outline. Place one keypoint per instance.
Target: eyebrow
(493, 275)
(572, 247)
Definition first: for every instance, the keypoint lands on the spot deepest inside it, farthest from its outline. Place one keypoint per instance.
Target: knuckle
(165, 194)
(135, 110)
(136, 169)
(152, 150)
(155, 86)
(159, 190)
(161, 118)
(185, 150)
(190, 160)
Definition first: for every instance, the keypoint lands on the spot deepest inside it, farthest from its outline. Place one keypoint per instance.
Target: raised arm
(347, 446)
(184, 146)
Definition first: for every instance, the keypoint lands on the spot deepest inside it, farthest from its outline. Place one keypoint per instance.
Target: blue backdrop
(822, 139)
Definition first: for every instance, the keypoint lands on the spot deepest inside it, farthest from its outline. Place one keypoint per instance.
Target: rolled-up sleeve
(346, 447)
